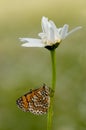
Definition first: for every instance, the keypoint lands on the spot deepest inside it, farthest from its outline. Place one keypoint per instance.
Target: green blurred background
(22, 69)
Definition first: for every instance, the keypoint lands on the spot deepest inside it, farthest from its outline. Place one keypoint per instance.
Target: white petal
(42, 35)
(64, 31)
(30, 42)
(53, 24)
(73, 30)
(58, 32)
(51, 34)
(54, 29)
(44, 24)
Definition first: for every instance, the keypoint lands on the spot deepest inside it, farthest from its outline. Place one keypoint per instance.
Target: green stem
(50, 112)
(53, 60)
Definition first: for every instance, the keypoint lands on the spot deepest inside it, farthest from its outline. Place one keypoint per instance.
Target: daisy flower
(50, 37)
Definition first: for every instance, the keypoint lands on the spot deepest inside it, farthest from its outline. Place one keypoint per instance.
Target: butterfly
(36, 101)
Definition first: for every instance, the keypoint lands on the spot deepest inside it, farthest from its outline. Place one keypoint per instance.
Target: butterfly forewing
(36, 101)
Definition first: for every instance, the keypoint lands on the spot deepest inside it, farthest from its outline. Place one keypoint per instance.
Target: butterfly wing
(37, 101)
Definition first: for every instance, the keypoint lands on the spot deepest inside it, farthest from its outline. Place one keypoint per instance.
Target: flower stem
(53, 60)
(50, 112)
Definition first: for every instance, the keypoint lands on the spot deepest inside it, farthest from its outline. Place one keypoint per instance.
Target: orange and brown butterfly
(36, 101)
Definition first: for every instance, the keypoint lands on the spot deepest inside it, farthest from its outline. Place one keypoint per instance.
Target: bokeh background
(22, 69)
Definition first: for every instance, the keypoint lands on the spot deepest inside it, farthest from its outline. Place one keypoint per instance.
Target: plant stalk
(50, 111)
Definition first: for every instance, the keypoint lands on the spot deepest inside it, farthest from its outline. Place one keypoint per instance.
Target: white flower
(51, 35)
